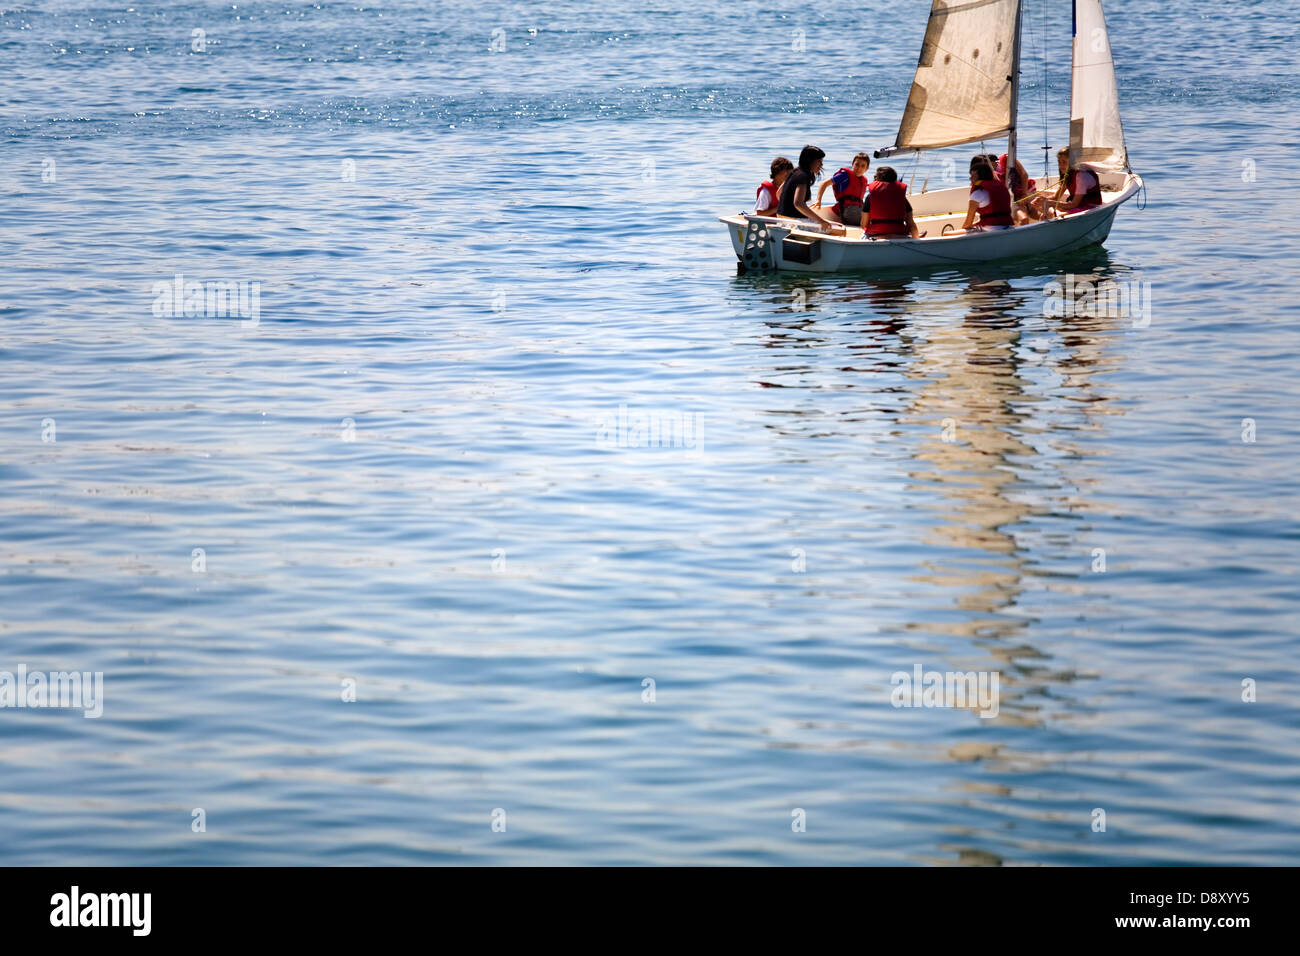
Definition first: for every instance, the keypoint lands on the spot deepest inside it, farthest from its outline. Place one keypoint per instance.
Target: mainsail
(1093, 97)
(963, 90)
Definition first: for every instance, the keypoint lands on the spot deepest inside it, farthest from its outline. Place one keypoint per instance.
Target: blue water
(530, 243)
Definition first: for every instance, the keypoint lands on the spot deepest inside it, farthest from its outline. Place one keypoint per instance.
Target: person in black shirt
(796, 191)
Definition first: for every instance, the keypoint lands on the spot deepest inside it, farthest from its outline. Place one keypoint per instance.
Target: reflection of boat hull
(933, 211)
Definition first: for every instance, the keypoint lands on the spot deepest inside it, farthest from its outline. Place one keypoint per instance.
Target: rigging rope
(1042, 49)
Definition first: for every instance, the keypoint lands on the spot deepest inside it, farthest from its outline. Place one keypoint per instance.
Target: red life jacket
(1018, 189)
(770, 187)
(1093, 196)
(887, 213)
(997, 212)
(852, 193)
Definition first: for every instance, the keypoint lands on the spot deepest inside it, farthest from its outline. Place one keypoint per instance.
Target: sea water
(513, 525)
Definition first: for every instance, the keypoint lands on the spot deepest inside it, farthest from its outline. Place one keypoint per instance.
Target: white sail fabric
(962, 89)
(1093, 95)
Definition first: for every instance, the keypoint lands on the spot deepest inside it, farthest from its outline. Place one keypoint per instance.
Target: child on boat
(1080, 184)
(1019, 184)
(987, 158)
(797, 191)
(1021, 187)
(989, 199)
(886, 208)
(769, 191)
(850, 187)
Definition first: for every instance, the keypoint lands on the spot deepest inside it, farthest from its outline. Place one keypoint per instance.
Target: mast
(1015, 95)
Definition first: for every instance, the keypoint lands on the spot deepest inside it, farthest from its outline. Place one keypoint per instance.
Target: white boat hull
(855, 252)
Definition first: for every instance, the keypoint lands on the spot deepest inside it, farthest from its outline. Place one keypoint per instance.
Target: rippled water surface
(402, 475)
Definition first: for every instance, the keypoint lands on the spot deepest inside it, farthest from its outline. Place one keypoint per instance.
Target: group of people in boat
(999, 199)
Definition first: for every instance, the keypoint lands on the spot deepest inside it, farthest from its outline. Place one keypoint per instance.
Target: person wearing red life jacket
(989, 200)
(887, 210)
(1080, 185)
(999, 166)
(850, 186)
(768, 196)
(1021, 187)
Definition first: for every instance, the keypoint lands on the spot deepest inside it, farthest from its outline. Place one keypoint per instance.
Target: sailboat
(965, 91)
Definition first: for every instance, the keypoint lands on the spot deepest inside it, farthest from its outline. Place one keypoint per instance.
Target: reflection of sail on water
(991, 481)
(992, 484)
(1019, 386)
(963, 90)
(1094, 97)
(972, 386)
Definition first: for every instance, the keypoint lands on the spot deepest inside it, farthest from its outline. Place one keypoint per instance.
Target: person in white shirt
(769, 193)
(989, 203)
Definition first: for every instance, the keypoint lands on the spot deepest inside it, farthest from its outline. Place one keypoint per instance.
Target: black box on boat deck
(803, 249)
